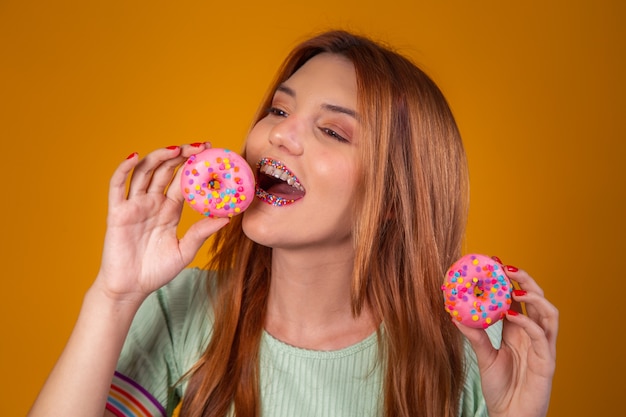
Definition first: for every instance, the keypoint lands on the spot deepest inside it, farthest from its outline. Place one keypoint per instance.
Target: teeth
(277, 170)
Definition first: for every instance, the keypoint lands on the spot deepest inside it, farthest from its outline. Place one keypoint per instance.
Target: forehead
(325, 72)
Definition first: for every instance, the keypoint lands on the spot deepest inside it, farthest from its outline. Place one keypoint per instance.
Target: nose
(287, 136)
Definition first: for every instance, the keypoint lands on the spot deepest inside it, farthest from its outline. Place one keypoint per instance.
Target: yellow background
(537, 88)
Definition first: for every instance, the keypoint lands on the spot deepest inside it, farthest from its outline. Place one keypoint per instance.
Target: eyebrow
(330, 107)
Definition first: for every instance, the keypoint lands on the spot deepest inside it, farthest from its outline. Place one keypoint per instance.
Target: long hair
(408, 228)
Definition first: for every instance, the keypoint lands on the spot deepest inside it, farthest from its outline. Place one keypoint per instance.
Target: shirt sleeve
(472, 399)
(168, 334)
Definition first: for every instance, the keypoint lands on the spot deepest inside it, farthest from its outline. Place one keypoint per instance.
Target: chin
(257, 226)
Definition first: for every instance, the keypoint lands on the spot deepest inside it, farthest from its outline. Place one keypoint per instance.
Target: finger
(162, 175)
(117, 184)
(543, 343)
(542, 312)
(144, 171)
(517, 275)
(174, 191)
(517, 307)
(523, 279)
(497, 259)
(197, 234)
(535, 302)
(194, 148)
(481, 344)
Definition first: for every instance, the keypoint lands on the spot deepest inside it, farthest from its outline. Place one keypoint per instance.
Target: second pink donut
(477, 291)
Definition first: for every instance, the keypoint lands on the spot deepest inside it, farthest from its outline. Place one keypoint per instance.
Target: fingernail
(512, 313)
(196, 144)
(511, 268)
(495, 258)
(519, 293)
(171, 148)
(131, 155)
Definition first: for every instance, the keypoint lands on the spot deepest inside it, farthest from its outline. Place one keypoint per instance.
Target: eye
(275, 111)
(334, 134)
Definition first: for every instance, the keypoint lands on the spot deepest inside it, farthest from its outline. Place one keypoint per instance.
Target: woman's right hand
(142, 251)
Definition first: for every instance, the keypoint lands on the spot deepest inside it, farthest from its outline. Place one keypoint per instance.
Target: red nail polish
(131, 155)
(519, 293)
(495, 258)
(196, 144)
(512, 313)
(171, 148)
(511, 268)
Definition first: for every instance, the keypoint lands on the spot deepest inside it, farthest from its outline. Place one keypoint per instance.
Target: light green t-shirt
(173, 327)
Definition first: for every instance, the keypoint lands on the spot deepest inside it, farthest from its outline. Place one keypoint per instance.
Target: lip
(272, 173)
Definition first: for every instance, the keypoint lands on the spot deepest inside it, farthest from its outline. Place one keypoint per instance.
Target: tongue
(285, 191)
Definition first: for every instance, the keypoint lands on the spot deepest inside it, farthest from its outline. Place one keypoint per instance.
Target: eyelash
(275, 111)
(334, 134)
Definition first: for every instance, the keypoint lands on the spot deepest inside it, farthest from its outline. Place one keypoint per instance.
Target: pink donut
(477, 291)
(217, 183)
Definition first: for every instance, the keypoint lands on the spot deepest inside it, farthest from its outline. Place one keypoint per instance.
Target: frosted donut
(217, 183)
(477, 292)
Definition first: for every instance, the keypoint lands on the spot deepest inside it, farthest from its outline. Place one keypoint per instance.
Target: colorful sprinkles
(272, 199)
(477, 291)
(218, 183)
(292, 180)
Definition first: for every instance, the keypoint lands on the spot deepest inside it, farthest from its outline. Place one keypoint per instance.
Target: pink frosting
(217, 183)
(477, 291)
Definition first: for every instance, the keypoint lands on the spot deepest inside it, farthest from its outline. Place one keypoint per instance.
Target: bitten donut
(217, 183)
(477, 292)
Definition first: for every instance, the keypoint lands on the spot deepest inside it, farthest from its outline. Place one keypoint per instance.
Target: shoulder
(185, 294)
(184, 302)
(178, 315)
(188, 289)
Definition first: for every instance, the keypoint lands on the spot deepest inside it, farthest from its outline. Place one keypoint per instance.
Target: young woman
(323, 300)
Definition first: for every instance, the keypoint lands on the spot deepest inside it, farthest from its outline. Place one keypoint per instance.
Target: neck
(309, 304)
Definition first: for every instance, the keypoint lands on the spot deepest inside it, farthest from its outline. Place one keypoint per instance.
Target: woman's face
(306, 152)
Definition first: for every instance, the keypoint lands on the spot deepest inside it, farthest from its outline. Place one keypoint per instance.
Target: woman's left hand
(517, 378)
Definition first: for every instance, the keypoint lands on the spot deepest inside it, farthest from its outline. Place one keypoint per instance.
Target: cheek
(254, 142)
(339, 176)
(348, 189)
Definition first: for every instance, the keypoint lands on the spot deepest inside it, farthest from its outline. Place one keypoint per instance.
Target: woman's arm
(141, 253)
(79, 382)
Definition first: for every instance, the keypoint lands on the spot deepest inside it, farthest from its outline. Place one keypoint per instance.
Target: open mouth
(276, 184)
